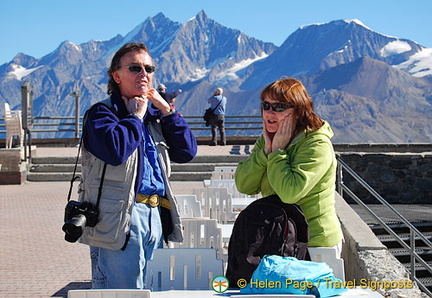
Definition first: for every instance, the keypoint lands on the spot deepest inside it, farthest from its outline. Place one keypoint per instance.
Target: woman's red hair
(293, 92)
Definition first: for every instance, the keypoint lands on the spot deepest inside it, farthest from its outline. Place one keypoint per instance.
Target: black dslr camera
(78, 215)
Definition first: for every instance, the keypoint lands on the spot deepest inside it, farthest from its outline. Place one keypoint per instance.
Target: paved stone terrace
(35, 260)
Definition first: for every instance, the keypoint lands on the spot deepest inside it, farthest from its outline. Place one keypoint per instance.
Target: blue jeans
(126, 269)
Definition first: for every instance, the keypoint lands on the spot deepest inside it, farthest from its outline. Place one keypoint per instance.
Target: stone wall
(13, 169)
(367, 259)
(400, 178)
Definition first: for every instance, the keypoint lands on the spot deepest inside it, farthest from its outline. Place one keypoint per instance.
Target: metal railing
(43, 126)
(414, 232)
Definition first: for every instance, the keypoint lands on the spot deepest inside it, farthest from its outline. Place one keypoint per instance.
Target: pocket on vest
(113, 218)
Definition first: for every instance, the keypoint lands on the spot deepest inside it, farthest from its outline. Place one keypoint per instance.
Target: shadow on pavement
(63, 292)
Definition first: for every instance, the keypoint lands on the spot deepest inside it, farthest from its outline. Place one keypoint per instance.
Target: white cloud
(395, 47)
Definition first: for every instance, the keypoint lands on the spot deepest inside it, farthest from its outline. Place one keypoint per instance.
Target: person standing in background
(170, 97)
(217, 104)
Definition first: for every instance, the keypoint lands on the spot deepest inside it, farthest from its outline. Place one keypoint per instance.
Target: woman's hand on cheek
(267, 140)
(283, 134)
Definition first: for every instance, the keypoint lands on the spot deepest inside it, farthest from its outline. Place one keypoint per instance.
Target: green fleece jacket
(304, 173)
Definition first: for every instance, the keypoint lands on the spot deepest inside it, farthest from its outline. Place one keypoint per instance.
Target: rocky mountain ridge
(369, 86)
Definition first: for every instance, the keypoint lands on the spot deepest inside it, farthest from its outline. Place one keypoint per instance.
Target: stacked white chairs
(224, 177)
(216, 203)
(183, 269)
(207, 218)
(221, 173)
(239, 200)
(189, 206)
(200, 233)
(13, 126)
(201, 215)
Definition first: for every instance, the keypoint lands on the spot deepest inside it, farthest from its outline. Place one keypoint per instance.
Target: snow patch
(343, 49)
(231, 74)
(394, 48)
(19, 72)
(191, 19)
(78, 48)
(199, 74)
(309, 25)
(346, 21)
(358, 22)
(419, 64)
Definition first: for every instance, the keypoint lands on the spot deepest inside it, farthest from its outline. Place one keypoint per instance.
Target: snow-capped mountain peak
(360, 79)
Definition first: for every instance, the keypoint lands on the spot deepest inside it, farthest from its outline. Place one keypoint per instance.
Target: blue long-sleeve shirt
(112, 135)
(214, 101)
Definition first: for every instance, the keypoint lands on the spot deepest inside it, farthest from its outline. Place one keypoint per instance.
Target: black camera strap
(75, 177)
(100, 186)
(217, 105)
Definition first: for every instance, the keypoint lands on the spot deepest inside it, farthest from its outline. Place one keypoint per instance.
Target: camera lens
(74, 227)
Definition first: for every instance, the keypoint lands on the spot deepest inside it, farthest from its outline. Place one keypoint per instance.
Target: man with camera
(128, 141)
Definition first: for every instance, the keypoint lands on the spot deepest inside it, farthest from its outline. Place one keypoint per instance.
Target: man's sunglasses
(276, 106)
(138, 68)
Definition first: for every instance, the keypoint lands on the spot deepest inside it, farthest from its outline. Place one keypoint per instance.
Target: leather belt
(154, 201)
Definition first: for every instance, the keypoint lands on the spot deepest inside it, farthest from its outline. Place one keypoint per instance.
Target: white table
(351, 293)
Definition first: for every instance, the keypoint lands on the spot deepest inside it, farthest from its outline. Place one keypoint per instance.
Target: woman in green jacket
(294, 159)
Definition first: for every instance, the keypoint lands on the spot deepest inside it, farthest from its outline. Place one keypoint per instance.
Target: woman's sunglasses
(138, 68)
(276, 106)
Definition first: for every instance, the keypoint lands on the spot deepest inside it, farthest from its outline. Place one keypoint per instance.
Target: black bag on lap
(267, 226)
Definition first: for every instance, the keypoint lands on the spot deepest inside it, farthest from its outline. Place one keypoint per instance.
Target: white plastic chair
(183, 269)
(230, 185)
(328, 255)
(216, 203)
(109, 293)
(13, 126)
(200, 233)
(189, 206)
(221, 173)
(272, 296)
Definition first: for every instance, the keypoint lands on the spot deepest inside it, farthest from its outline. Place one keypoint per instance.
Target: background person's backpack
(266, 227)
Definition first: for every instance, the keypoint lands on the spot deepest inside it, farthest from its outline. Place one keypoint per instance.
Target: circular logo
(220, 284)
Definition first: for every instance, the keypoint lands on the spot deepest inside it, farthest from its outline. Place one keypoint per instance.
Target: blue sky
(37, 27)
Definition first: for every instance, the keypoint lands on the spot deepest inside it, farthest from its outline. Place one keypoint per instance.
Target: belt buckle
(153, 201)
